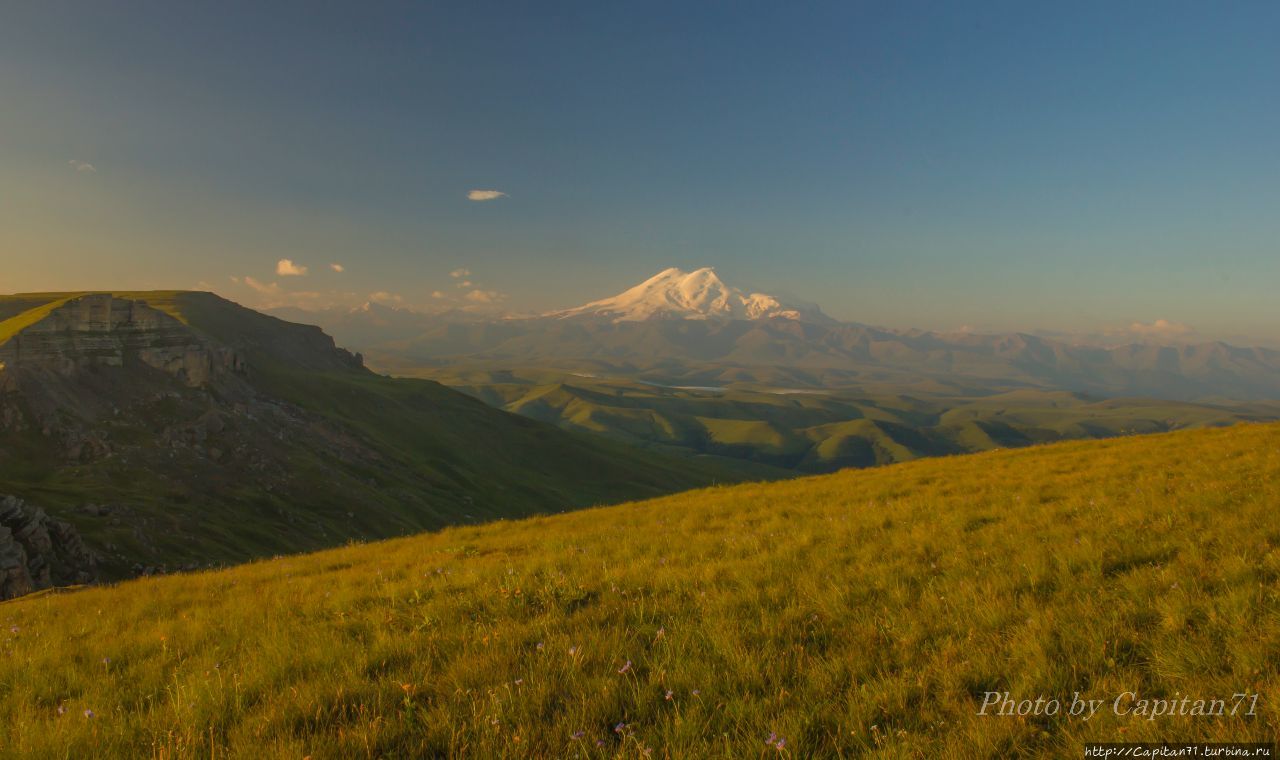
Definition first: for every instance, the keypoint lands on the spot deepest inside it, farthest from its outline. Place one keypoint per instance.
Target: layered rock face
(37, 551)
(101, 330)
(164, 411)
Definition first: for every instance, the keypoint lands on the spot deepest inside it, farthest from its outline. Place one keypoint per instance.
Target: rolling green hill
(865, 613)
(822, 430)
(289, 445)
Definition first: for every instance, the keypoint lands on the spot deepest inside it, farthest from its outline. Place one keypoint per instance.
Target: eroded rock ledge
(38, 552)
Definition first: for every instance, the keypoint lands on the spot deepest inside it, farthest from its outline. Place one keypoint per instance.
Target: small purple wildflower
(670, 695)
(620, 728)
(625, 668)
(14, 629)
(697, 692)
(578, 735)
(62, 709)
(599, 742)
(539, 646)
(89, 714)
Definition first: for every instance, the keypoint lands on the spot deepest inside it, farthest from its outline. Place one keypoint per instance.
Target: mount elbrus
(691, 328)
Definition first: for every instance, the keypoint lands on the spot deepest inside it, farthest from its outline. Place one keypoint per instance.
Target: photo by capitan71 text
(1131, 704)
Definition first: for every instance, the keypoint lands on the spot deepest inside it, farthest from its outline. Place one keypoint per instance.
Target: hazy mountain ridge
(691, 323)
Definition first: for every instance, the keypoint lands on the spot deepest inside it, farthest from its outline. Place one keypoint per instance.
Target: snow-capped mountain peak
(700, 294)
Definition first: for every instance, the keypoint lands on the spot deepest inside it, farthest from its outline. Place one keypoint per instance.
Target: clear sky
(1069, 166)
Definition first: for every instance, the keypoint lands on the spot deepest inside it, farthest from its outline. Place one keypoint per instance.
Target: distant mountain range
(691, 328)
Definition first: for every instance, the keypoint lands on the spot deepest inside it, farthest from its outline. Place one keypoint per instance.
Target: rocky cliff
(176, 430)
(102, 330)
(37, 551)
(120, 400)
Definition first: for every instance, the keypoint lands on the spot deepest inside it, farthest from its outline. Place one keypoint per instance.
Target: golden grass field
(864, 613)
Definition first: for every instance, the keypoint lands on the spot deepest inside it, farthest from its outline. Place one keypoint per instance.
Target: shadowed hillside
(862, 613)
(178, 429)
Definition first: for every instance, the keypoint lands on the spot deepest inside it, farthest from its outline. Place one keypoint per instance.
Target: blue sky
(1072, 166)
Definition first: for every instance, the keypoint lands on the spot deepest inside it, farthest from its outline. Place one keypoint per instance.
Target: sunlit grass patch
(862, 613)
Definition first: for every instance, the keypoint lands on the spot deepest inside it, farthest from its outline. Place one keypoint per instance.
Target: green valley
(813, 429)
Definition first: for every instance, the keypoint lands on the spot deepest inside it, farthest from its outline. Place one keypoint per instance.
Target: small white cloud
(338, 268)
(463, 284)
(486, 195)
(286, 268)
(455, 274)
(439, 294)
(84, 167)
(486, 296)
(235, 279)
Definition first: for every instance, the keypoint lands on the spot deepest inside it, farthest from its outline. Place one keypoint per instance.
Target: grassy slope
(12, 306)
(862, 612)
(24, 319)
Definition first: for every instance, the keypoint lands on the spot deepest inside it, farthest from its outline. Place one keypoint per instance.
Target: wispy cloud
(486, 195)
(485, 296)
(1159, 331)
(439, 294)
(463, 284)
(1161, 328)
(286, 268)
(271, 295)
(382, 296)
(455, 274)
(265, 288)
(338, 268)
(84, 167)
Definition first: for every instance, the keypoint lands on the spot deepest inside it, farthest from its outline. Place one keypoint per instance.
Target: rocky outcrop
(102, 330)
(37, 551)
